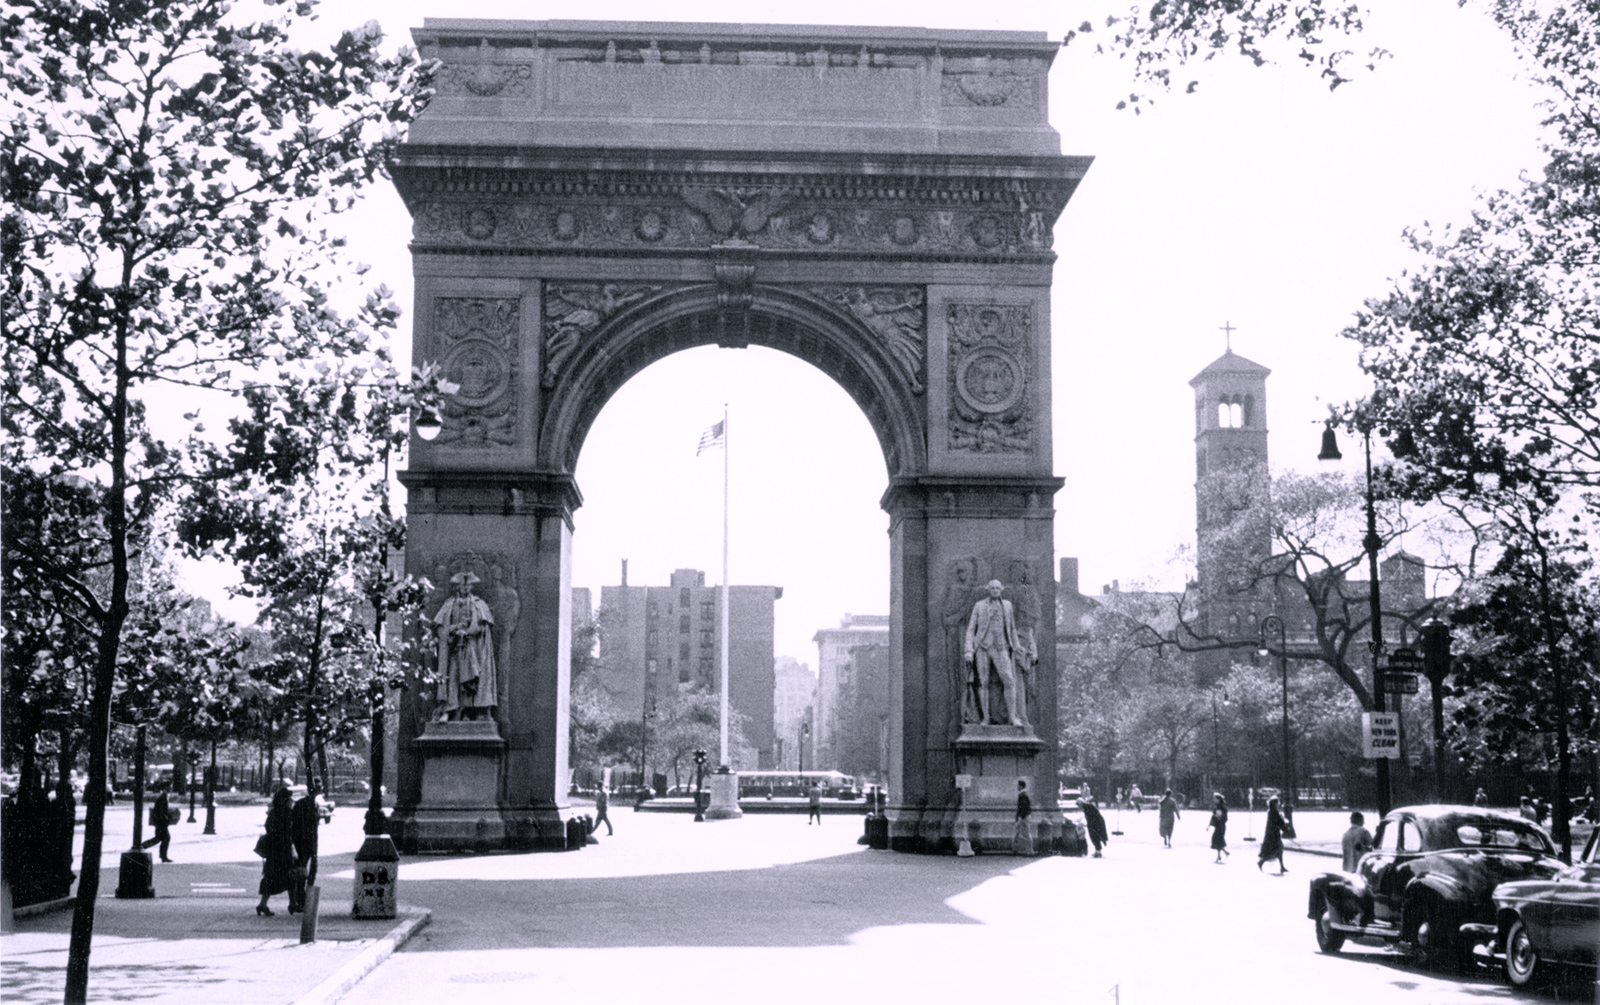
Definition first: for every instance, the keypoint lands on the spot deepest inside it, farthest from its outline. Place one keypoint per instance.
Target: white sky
(1262, 200)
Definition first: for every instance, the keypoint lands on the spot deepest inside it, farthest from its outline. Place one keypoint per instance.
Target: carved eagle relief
(736, 210)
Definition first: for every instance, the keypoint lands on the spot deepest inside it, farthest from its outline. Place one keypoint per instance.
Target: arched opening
(806, 478)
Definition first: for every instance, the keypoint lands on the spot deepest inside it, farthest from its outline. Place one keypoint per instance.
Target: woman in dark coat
(1219, 826)
(1272, 838)
(277, 865)
(1095, 823)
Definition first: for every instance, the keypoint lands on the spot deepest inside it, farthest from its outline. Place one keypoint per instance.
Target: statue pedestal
(461, 808)
(993, 759)
(724, 797)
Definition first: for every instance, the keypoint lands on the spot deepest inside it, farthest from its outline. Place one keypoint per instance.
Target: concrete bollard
(377, 869)
(308, 914)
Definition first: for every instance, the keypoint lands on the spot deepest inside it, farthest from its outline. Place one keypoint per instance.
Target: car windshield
(1483, 834)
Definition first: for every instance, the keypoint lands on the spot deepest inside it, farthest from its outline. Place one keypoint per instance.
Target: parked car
(1555, 921)
(1427, 884)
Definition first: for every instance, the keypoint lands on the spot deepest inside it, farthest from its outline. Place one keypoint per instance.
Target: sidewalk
(168, 948)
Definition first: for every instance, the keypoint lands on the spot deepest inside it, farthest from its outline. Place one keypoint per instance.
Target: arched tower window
(1231, 411)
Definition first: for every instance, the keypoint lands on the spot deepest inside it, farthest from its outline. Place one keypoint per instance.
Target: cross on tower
(1228, 330)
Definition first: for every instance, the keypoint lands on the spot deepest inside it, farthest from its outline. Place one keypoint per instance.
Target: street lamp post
(805, 734)
(1283, 670)
(1371, 542)
(699, 777)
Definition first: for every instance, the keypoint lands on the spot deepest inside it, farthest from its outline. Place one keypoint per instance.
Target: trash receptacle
(377, 869)
(577, 834)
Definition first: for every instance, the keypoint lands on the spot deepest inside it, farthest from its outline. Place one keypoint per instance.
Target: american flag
(712, 438)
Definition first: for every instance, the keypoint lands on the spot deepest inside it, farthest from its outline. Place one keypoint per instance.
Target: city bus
(796, 784)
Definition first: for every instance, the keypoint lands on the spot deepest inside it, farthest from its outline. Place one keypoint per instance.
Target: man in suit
(161, 820)
(992, 649)
(303, 822)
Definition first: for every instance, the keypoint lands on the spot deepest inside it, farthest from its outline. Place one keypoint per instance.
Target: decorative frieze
(990, 375)
(477, 339)
(770, 219)
(574, 311)
(895, 315)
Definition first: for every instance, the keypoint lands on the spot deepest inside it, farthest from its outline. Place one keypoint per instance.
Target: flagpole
(723, 729)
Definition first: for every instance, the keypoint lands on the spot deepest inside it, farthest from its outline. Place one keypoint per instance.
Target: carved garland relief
(767, 217)
(477, 341)
(990, 373)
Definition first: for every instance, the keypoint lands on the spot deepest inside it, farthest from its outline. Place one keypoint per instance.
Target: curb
(1325, 852)
(48, 906)
(349, 975)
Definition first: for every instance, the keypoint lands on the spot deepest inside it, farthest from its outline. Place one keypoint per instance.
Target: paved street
(668, 910)
(829, 918)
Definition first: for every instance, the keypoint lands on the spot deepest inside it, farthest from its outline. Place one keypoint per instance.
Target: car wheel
(1522, 960)
(1435, 936)
(1328, 940)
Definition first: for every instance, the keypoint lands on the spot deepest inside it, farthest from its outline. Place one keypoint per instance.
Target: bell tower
(1232, 492)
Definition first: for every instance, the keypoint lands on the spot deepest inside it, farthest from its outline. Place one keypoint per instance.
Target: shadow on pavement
(822, 902)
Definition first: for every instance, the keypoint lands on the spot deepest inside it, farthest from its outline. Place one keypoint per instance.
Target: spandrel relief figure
(464, 625)
(1028, 609)
(953, 613)
(992, 652)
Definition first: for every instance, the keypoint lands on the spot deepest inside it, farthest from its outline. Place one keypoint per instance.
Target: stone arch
(800, 325)
(590, 197)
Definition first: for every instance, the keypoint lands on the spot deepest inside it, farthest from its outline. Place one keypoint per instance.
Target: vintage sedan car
(1426, 886)
(1551, 921)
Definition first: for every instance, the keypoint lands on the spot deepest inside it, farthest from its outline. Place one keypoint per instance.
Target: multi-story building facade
(835, 661)
(660, 637)
(794, 693)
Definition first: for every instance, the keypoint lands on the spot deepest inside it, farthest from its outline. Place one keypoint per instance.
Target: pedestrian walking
(1022, 840)
(1169, 816)
(1272, 838)
(1096, 824)
(161, 820)
(276, 848)
(1480, 798)
(1219, 826)
(814, 804)
(1357, 841)
(1134, 795)
(601, 802)
(303, 821)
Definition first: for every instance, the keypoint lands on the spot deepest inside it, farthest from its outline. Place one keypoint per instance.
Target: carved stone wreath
(990, 373)
(477, 339)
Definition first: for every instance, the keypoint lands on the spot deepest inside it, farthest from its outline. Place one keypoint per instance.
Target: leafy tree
(164, 168)
(298, 499)
(1171, 36)
(1484, 359)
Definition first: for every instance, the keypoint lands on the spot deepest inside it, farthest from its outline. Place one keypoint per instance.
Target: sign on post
(1380, 734)
(1399, 683)
(1406, 660)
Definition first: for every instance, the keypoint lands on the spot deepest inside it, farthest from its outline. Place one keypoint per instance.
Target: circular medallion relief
(903, 230)
(989, 379)
(651, 226)
(565, 225)
(480, 367)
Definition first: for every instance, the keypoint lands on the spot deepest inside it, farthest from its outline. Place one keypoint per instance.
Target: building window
(683, 623)
(705, 636)
(650, 665)
(708, 610)
(651, 641)
(683, 598)
(705, 669)
(1230, 412)
(683, 650)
